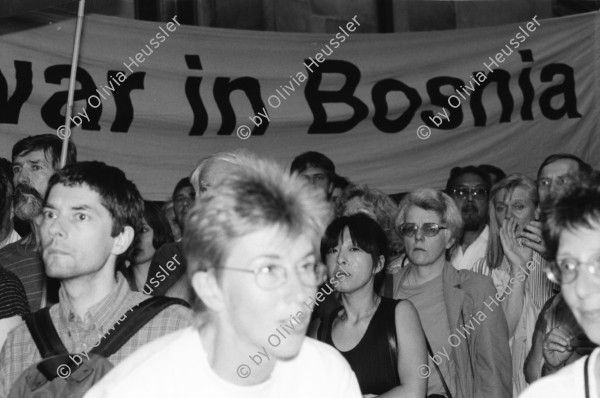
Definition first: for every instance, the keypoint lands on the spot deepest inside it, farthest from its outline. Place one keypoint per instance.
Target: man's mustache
(23, 189)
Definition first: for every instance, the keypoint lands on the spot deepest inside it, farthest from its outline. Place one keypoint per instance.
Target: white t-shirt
(176, 366)
(569, 382)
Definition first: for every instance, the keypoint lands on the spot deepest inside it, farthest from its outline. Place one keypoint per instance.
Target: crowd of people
(255, 280)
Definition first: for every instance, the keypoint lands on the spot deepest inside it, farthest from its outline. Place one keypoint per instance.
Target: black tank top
(374, 360)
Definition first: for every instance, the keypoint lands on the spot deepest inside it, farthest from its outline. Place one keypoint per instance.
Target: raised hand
(532, 234)
(517, 254)
(556, 347)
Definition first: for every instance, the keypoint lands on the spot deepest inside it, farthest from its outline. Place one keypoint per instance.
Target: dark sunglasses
(429, 229)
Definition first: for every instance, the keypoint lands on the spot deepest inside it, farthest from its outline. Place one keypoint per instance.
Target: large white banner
(396, 111)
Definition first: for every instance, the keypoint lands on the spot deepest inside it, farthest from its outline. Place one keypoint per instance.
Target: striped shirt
(23, 259)
(538, 286)
(13, 300)
(11, 238)
(80, 335)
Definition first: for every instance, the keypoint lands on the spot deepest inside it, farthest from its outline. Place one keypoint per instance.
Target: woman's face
(347, 256)
(425, 250)
(254, 313)
(515, 204)
(144, 251)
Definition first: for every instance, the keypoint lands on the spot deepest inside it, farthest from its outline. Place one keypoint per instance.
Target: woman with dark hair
(381, 338)
(155, 232)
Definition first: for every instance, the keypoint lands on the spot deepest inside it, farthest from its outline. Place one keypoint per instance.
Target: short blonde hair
(495, 252)
(259, 195)
(439, 202)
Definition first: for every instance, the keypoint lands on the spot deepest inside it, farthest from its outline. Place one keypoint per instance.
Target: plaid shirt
(79, 335)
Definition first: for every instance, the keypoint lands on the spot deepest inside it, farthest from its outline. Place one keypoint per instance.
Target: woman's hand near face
(534, 238)
(516, 254)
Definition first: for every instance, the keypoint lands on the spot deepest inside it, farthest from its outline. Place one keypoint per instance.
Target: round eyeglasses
(429, 229)
(463, 192)
(272, 276)
(566, 271)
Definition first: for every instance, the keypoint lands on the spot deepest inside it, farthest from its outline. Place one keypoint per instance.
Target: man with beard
(34, 161)
(469, 187)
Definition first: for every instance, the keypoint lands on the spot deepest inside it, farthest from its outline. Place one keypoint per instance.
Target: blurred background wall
(324, 16)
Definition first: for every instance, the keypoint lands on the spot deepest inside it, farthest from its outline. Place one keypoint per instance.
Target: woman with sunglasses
(382, 339)
(464, 324)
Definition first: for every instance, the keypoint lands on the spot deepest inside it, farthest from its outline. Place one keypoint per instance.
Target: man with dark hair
(8, 234)
(469, 187)
(555, 175)
(555, 322)
(572, 233)
(91, 213)
(34, 160)
(317, 169)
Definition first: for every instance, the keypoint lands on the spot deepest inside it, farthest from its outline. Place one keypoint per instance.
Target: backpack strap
(44, 333)
(136, 318)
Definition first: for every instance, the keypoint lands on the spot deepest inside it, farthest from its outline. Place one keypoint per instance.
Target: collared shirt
(80, 335)
(474, 257)
(23, 259)
(568, 382)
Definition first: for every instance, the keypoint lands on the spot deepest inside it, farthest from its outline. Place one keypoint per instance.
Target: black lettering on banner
(122, 98)
(316, 98)
(502, 80)
(434, 86)
(51, 110)
(10, 108)
(192, 93)
(566, 89)
(222, 90)
(526, 86)
(378, 95)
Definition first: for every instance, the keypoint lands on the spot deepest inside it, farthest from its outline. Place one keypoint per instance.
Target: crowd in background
(448, 293)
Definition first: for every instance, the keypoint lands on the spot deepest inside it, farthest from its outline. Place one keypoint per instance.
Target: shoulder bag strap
(44, 333)
(446, 389)
(137, 318)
